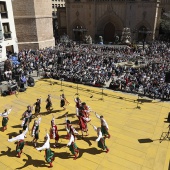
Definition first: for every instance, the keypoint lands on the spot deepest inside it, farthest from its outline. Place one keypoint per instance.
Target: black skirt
(62, 103)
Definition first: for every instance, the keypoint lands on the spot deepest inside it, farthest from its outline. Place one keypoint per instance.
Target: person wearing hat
(20, 143)
(25, 122)
(5, 118)
(35, 131)
(37, 105)
(73, 147)
(28, 112)
(100, 140)
(49, 103)
(49, 154)
(104, 126)
(70, 129)
(54, 132)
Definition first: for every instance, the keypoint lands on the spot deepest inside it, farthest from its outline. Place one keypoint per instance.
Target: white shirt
(71, 140)
(103, 121)
(46, 144)
(100, 134)
(5, 114)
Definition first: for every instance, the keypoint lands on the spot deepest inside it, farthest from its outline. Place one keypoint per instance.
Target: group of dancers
(83, 114)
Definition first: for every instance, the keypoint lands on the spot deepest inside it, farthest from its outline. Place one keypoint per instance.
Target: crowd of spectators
(126, 68)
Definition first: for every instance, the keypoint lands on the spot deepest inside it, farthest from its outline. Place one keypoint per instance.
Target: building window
(55, 5)
(3, 10)
(58, 5)
(52, 5)
(6, 29)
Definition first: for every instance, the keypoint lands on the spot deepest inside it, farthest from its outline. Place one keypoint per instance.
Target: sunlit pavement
(135, 131)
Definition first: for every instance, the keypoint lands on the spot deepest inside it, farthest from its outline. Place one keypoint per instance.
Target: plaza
(135, 124)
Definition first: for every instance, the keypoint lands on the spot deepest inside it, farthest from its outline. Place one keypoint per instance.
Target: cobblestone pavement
(135, 131)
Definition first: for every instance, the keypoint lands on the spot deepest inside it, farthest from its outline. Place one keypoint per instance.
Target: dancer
(86, 109)
(63, 101)
(49, 104)
(25, 122)
(28, 112)
(70, 129)
(78, 102)
(73, 147)
(104, 126)
(54, 132)
(5, 118)
(83, 120)
(49, 154)
(35, 131)
(37, 105)
(100, 139)
(21, 143)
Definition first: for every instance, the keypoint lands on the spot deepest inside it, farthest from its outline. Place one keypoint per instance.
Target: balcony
(7, 35)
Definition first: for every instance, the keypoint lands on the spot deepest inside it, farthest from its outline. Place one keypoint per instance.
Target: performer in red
(100, 140)
(86, 110)
(5, 118)
(49, 154)
(21, 143)
(78, 102)
(104, 126)
(54, 132)
(83, 120)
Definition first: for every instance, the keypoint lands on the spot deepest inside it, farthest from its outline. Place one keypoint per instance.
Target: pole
(61, 85)
(77, 90)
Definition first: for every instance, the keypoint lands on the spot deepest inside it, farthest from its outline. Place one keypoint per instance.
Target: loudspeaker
(167, 77)
(60, 60)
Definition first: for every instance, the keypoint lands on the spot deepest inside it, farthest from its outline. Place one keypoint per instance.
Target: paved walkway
(135, 133)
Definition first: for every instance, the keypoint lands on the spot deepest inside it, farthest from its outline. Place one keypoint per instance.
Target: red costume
(54, 133)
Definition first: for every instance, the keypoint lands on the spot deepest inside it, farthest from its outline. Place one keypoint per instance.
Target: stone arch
(106, 19)
(76, 23)
(143, 25)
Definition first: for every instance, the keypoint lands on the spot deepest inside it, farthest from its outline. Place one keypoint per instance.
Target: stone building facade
(107, 18)
(33, 22)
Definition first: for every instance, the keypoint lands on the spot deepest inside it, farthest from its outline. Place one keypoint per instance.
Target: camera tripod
(165, 135)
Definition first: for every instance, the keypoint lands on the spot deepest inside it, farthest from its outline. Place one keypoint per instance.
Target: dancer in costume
(20, 143)
(86, 109)
(49, 154)
(28, 112)
(35, 131)
(63, 101)
(37, 105)
(83, 120)
(73, 147)
(54, 132)
(49, 104)
(5, 118)
(78, 102)
(70, 129)
(104, 126)
(25, 122)
(100, 140)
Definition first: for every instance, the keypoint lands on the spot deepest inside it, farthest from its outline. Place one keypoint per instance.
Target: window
(6, 29)
(55, 5)
(3, 10)
(52, 5)
(58, 5)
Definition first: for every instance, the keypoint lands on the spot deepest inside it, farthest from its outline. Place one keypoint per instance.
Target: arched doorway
(109, 32)
(142, 33)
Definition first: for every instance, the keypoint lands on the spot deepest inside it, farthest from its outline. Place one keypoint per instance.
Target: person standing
(37, 105)
(49, 104)
(63, 101)
(5, 118)
(104, 126)
(35, 131)
(54, 132)
(20, 143)
(49, 154)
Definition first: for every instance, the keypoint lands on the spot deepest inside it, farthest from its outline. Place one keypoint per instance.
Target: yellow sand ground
(135, 133)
